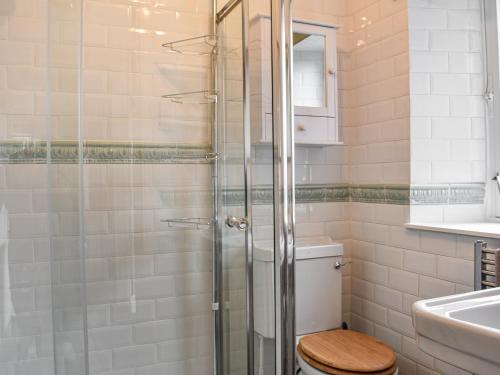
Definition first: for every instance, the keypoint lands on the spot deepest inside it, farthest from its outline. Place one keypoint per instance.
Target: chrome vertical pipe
(218, 333)
(247, 162)
(284, 190)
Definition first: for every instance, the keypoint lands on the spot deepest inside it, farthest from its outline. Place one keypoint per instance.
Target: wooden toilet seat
(345, 352)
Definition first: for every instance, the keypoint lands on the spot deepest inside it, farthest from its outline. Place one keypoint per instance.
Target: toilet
(323, 347)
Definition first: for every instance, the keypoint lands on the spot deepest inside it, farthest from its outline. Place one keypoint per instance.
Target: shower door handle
(240, 223)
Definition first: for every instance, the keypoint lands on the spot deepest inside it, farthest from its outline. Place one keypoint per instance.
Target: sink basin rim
(431, 319)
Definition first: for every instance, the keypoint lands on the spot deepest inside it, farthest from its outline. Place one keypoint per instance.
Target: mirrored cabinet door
(314, 70)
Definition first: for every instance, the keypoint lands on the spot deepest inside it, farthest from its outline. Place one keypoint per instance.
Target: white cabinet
(315, 82)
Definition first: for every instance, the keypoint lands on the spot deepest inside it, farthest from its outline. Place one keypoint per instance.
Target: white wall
(376, 98)
(448, 145)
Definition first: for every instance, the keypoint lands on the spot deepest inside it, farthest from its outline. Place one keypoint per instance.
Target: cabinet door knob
(301, 128)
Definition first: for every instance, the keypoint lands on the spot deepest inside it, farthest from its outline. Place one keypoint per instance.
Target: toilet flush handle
(338, 265)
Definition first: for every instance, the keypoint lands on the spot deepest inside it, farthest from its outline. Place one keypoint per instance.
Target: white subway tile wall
(392, 267)
(375, 96)
(448, 122)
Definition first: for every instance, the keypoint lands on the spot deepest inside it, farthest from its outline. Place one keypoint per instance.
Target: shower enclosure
(132, 196)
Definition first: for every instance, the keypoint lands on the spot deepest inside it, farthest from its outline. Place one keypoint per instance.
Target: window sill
(485, 229)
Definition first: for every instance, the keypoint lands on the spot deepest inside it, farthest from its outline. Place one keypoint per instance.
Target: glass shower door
(255, 205)
(147, 178)
(232, 208)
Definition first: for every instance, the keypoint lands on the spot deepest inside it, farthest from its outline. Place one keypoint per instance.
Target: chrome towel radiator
(486, 270)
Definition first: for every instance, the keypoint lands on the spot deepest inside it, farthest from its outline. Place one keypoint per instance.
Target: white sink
(463, 330)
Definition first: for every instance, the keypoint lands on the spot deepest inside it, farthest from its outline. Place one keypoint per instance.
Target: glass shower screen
(255, 175)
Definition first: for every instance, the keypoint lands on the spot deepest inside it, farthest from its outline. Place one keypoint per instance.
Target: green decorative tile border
(447, 194)
(326, 193)
(382, 194)
(96, 152)
(388, 194)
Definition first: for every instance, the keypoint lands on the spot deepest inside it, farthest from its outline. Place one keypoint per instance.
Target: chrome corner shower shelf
(189, 222)
(198, 46)
(193, 97)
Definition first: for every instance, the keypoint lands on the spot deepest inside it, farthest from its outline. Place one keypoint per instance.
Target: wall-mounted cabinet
(315, 82)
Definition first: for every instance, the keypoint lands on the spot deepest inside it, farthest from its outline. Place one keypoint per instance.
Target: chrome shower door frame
(217, 328)
(283, 191)
(283, 185)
